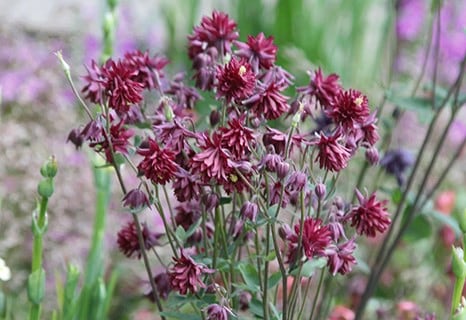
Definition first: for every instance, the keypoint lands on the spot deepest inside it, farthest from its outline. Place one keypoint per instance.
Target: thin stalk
(314, 303)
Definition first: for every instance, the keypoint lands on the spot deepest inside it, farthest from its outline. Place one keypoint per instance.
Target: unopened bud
(214, 118)
(458, 265)
(282, 170)
(320, 190)
(64, 65)
(249, 211)
(49, 169)
(372, 156)
(168, 111)
(284, 231)
(45, 188)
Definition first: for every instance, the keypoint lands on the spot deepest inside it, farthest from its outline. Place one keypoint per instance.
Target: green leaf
(274, 280)
(420, 228)
(443, 219)
(250, 276)
(272, 211)
(422, 106)
(36, 286)
(309, 267)
(181, 234)
(255, 306)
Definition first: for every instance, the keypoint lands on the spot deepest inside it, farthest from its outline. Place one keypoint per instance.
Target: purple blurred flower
(411, 15)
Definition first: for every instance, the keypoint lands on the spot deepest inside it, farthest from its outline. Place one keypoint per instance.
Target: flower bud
(282, 170)
(214, 118)
(457, 264)
(217, 312)
(211, 201)
(249, 211)
(284, 231)
(49, 169)
(244, 300)
(320, 190)
(372, 156)
(168, 111)
(297, 181)
(45, 188)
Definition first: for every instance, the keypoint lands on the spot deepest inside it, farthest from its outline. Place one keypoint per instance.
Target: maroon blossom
(316, 237)
(297, 181)
(186, 186)
(158, 164)
(237, 138)
(128, 240)
(206, 69)
(214, 161)
(332, 155)
(217, 312)
(135, 199)
(173, 134)
(349, 109)
(270, 162)
(279, 75)
(145, 67)
(260, 51)
(187, 214)
(184, 95)
(162, 283)
(236, 81)
(340, 258)
(369, 130)
(323, 89)
(95, 83)
(370, 216)
(217, 31)
(275, 140)
(119, 136)
(275, 191)
(268, 101)
(186, 274)
(121, 89)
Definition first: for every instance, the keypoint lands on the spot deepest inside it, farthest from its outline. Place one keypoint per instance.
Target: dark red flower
(217, 31)
(135, 199)
(145, 67)
(121, 89)
(186, 185)
(332, 155)
(119, 136)
(183, 95)
(260, 51)
(206, 69)
(370, 216)
(187, 214)
(236, 81)
(324, 89)
(173, 134)
(158, 164)
(162, 283)
(268, 101)
(349, 109)
(340, 258)
(95, 83)
(370, 131)
(214, 161)
(186, 274)
(217, 312)
(237, 138)
(128, 240)
(316, 237)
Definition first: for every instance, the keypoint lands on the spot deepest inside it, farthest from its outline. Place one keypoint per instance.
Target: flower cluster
(235, 182)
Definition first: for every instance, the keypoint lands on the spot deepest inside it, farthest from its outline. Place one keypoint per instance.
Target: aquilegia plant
(252, 216)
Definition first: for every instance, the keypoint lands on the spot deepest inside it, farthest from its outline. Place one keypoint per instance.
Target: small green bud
(65, 66)
(45, 187)
(297, 117)
(168, 111)
(457, 264)
(49, 169)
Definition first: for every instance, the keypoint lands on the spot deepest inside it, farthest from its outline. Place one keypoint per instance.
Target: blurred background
(374, 46)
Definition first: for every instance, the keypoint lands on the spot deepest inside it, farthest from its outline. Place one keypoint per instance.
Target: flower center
(242, 71)
(358, 101)
(233, 178)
